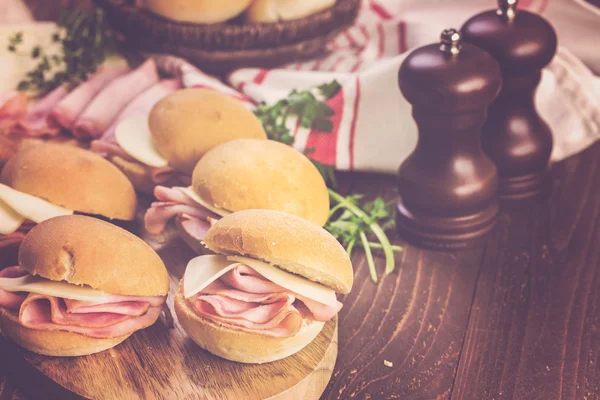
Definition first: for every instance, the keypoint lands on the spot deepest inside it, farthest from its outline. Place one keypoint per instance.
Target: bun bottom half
(237, 345)
(53, 343)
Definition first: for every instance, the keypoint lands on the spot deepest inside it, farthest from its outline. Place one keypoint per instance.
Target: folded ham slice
(10, 300)
(104, 109)
(71, 106)
(107, 146)
(245, 300)
(13, 107)
(17, 236)
(35, 122)
(117, 316)
(172, 202)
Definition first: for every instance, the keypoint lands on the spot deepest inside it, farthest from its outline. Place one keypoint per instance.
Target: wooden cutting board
(163, 363)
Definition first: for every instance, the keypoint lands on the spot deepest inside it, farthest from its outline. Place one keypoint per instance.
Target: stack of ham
(172, 202)
(118, 316)
(244, 299)
(15, 238)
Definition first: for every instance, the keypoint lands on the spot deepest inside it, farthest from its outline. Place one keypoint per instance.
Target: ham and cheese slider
(269, 292)
(242, 174)
(82, 286)
(163, 147)
(46, 180)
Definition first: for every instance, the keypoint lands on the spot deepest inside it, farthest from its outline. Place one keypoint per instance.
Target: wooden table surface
(518, 318)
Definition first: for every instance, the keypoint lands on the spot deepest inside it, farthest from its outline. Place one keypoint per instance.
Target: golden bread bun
(188, 123)
(284, 10)
(261, 174)
(88, 251)
(198, 11)
(236, 345)
(73, 178)
(53, 343)
(289, 242)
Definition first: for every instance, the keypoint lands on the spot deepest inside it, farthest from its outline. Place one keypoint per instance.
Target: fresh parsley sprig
(86, 41)
(312, 113)
(352, 224)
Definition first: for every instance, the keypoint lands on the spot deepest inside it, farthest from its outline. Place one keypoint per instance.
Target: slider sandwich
(164, 147)
(82, 286)
(242, 174)
(45, 180)
(268, 292)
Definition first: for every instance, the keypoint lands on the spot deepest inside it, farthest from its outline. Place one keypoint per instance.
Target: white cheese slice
(37, 284)
(189, 192)
(203, 270)
(31, 207)
(10, 220)
(133, 135)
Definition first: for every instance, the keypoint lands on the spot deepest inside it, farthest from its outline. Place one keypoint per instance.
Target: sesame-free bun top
(189, 122)
(277, 10)
(198, 11)
(286, 241)
(73, 178)
(248, 174)
(87, 251)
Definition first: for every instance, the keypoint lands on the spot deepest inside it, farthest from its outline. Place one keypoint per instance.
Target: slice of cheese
(30, 207)
(189, 192)
(133, 135)
(10, 220)
(37, 284)
(203, 270)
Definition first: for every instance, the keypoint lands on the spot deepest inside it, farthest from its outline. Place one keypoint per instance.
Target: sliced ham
(71, 106)
(117, 316)
(35, 122)
(172, 202)
(11, 300)
(104, 109)
(38, 315)
(248, 301)
(142, 105)
(17, 236)
(13, 107)
(35, 307)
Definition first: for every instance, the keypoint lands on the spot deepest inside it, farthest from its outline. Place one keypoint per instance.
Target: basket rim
(147, 23)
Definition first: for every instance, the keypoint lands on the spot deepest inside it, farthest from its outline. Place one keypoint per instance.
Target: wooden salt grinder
(514, 135)
(448, 184)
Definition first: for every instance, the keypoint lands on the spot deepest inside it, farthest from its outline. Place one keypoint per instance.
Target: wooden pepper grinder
(448, 184)
(514, 135)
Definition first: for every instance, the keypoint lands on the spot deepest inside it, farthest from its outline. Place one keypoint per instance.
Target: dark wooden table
(518, 318)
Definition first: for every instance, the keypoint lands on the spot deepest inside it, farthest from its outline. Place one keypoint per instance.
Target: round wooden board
(163, 363)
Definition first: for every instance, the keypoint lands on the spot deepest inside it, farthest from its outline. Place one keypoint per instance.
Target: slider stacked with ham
(45, 180)
(271, 290)
(82, 286)
(242, 174)
(164, 147)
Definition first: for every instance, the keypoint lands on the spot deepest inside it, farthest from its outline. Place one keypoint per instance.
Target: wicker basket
(220, 48)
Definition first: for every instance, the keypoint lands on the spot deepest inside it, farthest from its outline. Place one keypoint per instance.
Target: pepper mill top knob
(522, 42)
(450, 41)
(451, 76)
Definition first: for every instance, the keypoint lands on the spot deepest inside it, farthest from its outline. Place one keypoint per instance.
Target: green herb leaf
(350, 223)
(85, 44)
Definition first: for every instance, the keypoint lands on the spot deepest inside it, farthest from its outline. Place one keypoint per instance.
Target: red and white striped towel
(372, 127)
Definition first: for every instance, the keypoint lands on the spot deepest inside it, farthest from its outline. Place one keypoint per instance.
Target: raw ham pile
(171, 203)
(17, 236)
(245, 300)
(118, 316)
